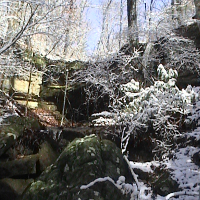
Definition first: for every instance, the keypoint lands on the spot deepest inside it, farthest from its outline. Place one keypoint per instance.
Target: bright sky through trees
(94, 16)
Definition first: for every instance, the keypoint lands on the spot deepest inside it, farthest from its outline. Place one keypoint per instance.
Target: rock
(190, 31)
(70, 133)
(159, 179)
(162, 183)
(18, 185)
(196, 158)
(81, 162)
(77, 106)
(21, 86)
(142, 175)
(6, 141)
(16, 125)
(47, 156)
(18, 167)
(187, 77)
(7, 192)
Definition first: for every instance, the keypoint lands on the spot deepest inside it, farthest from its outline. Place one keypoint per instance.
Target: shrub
(162, 106)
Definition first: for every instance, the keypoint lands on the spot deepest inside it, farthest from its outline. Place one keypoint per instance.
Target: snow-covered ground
(185, 172)
(181, 166)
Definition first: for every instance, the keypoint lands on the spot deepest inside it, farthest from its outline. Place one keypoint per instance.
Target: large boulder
(47, 155)
(82, 161)
(16, 125)
(19, 167)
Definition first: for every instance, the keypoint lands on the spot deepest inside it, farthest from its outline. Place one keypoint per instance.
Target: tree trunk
(132, 21)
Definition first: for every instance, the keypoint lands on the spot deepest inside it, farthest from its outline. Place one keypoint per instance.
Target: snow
(132, 86)
(104, 121)
(181, 166)
(185, 172)
(162, 72)
(145, 167)
(194, 134)
(103, 114)
(173, 73)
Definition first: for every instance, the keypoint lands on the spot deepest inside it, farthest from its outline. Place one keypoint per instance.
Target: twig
(64, 100)
(180, 193)
(133, 173)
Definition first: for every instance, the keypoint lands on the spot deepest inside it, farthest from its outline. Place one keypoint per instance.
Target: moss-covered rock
(19, 167)
(82, 161)
(18, 185)
(16, 125)
(35, 59)
(12, 128)
(162, 182)
(47, 155)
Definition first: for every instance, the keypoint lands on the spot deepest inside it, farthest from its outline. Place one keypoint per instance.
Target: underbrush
(155, 114)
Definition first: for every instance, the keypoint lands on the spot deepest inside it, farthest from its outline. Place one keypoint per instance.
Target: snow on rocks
(181, 166)
(185, 172)
(145, 167)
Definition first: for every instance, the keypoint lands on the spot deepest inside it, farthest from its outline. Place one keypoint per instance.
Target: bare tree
(51, 25)
(132, 21)
(25, 22)
(113, 29)
(52, 29)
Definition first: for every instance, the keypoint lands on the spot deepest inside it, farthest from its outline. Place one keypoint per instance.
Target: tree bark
(132, 21)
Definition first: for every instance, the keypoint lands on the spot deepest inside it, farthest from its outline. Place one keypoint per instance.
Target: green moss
(16, 125)
(82, 161)
(76, 65)
(48, 92)
(35, 59)
(37, 185)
